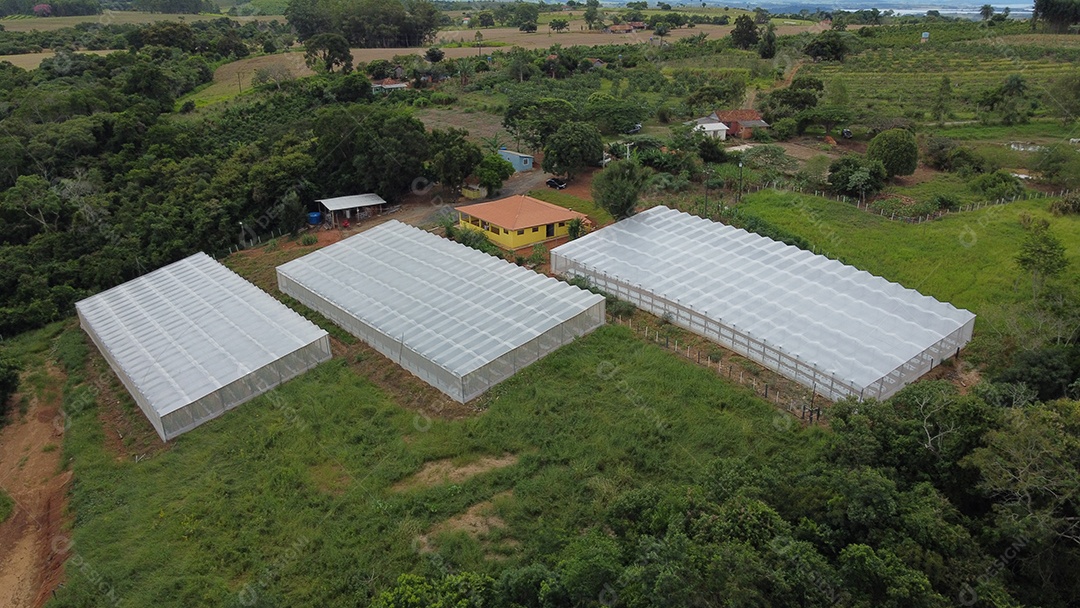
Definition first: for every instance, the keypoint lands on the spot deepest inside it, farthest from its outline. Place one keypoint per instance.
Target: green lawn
(289, 497)
(963, 258)
(589, 208)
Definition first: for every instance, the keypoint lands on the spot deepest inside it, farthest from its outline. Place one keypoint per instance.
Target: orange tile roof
(737, 115)
(519, 212)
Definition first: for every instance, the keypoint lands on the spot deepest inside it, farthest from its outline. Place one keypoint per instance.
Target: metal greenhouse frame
(459, 319)
(830, 327)
(193, 339)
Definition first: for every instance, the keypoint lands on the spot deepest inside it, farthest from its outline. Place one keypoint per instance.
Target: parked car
(556, 183)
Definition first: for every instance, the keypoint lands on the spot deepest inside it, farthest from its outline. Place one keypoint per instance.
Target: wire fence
(796, 400)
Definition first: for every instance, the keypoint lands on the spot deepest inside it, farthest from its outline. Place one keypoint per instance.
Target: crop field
(905, 81)
(325, 491)
(964, 258)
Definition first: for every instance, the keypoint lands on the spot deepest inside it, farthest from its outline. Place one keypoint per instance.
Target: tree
(942, 101)
(828, 46)
(826, 116)
(896, 149)
(986, 12)
(591, 15)
(369, 149)
(307, 18)
(528, 27)
(1041, 255)
(492, 171)
(485, 19)
(767, 44)
(853, 175)
(324, 52)
(535, 120)
(571, 148)
(434, 54)
(559, 25)
(453, 158)
(745, 34)
(1065, 96)
(661, 30)
(618, 187)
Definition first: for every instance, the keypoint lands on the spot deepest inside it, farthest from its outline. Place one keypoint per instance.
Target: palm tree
(986, 12)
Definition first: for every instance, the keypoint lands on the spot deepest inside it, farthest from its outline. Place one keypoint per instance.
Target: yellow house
(518, 221)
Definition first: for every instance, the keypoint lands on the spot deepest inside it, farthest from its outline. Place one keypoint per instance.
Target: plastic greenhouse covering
(830, 327)
(192, 340)
(459, 319)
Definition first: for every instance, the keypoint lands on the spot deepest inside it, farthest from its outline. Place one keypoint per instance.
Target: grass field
(964, 258)
(294, 498)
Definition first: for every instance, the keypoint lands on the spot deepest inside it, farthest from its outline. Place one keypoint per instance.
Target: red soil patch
(581, 186)
(32, 546)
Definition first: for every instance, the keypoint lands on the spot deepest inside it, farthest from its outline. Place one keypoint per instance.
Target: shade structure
(193, 339)
(828, 326)
(457, 318)
(353, 201)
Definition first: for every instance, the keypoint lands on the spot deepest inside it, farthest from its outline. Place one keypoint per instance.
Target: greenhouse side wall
(912, 370)
(245, 389)
(390, 347)
(804, 373)
(483, 378)
(140, 399)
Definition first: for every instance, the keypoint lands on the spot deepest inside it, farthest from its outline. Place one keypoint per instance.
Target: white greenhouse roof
(453, 305)
(191, 328)
(849, 323)
(351, 202)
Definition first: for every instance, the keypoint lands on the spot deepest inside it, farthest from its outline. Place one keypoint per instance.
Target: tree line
(366, 23)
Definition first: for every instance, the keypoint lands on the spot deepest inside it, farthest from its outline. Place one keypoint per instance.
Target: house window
(561, 224)
(536, 229)
(521, 232)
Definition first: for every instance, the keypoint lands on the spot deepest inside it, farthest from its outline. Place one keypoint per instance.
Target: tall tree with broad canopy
(324, 52)
(453, 158)
(571, 148)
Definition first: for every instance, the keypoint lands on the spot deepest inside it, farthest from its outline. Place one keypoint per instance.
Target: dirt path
(30, 473)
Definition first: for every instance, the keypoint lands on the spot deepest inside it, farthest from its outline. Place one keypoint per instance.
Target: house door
(550, 230)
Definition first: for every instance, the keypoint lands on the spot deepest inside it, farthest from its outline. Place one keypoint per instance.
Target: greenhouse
(193, 340)
(459, 319)
(830, 327)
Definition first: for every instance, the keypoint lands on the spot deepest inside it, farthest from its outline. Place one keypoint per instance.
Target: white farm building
(193, 339)
(459, 319)
(830, 327)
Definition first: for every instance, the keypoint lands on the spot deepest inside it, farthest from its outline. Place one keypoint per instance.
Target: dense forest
(932, 499)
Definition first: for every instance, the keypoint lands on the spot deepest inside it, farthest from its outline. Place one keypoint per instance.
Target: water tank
(314, 218)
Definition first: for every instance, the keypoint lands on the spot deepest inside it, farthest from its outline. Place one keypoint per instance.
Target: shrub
(309, 239)
(947, 202)
(896, 149)
(785, 128)
(1067, 205)
(9, 383)
(997, 185)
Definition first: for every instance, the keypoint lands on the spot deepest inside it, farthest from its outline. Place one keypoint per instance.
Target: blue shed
(521, 162)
